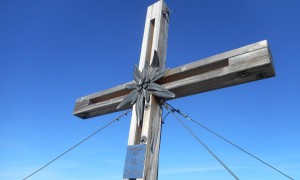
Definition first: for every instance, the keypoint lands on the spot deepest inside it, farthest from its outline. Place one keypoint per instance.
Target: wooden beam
(245, 64)
(149, 132)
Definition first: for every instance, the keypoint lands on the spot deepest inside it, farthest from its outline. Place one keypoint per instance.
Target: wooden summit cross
(245, 64)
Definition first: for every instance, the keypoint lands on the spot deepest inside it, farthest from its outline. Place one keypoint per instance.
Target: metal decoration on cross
(145, 86)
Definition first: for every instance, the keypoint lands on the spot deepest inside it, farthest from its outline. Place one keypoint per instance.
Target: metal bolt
(261, 75)
(166, 14)
(243, 74)
(143, 139)
(147, 106)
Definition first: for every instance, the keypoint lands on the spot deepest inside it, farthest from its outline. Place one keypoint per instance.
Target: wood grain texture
(219, 71)
(152, 130)
(153, 116)
(155, 38)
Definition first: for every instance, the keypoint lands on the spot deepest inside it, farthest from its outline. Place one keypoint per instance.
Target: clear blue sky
(52, 52)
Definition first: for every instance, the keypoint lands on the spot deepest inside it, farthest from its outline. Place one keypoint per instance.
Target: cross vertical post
(149, 132)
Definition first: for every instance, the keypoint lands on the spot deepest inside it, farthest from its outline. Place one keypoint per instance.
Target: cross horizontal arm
(245, 64)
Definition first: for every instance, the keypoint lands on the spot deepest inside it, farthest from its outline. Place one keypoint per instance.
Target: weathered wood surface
(155, 38)
(152, 130)
(245, 64)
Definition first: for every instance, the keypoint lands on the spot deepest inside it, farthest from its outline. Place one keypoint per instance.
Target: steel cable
(224, 139)
(205, 146)
(68, 150)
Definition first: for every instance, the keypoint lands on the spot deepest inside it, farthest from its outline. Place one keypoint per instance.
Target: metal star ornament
(145, 86)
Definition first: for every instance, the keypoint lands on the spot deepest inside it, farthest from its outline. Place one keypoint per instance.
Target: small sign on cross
(134, 163)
